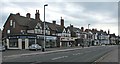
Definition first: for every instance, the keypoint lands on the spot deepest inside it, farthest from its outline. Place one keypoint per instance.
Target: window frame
(11, 22)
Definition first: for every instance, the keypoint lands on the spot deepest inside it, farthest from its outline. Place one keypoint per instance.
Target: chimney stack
(62, 22)
(108, 31)
(18, 14)
(82, 28)
(54, 22)
(93, 30)
(37, 15)
(28, 15)
(71, 25)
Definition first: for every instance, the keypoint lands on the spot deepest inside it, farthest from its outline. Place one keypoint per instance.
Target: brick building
(19, 32)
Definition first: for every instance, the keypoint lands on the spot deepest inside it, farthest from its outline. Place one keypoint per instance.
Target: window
(31, 41)
(23, 31)
(11, 22)
(8, 31)
(13, 43)
(48, 33)
(38, 30)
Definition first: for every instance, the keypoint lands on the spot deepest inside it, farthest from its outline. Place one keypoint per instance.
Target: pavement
(90, 54)
(10, 53)
(111, 57)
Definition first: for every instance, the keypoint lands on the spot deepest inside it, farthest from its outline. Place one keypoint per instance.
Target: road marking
(87, 51)
(77, 53)
(59, 57)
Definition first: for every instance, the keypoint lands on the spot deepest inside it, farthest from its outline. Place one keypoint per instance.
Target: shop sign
(13, 37)
(31, 37)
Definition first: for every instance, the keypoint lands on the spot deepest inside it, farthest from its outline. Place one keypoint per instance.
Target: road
(79, 55)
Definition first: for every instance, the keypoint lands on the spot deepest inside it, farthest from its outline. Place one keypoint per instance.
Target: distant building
(75, 35)
(0, 36)
(113, 39)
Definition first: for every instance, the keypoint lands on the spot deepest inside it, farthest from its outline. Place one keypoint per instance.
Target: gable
(68, 31)
(46, 27)
(38, 26)
(64, 31)
(24, 21)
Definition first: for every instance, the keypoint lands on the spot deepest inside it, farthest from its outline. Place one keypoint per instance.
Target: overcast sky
(100, 15)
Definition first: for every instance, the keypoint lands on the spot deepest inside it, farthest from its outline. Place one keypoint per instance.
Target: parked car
(47, 46)
(34, 47)
(2, 48)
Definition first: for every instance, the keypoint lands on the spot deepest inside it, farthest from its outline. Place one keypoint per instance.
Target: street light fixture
(43, 48)
(88, 36)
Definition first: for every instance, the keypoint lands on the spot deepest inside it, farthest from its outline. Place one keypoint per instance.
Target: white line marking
(59, 57)
(77, 53)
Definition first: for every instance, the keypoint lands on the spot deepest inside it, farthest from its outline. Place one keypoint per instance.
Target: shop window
(13, 43)
(31, 41)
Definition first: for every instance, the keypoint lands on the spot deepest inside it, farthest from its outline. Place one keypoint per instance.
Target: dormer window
(11, 22)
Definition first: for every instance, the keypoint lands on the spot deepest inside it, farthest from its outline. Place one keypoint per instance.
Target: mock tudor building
(95, 40)
(20, 32)
(75, 35)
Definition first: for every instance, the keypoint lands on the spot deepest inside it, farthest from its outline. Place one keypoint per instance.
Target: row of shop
(24, 41)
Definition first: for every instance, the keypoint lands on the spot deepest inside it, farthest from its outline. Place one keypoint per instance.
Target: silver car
(34, 47)
(2, 48)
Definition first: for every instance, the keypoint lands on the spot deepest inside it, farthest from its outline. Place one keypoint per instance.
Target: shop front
(50, 41)
(24, 41)
(19, 41)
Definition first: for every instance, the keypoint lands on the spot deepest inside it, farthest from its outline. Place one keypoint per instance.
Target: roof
(74, 29)
(53, 27)
(24, 21)
(112, 35)
(31, 23)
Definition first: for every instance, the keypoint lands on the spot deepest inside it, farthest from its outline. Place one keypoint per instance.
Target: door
(23, 44)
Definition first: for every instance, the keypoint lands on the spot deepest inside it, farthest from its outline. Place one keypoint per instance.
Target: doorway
(23, 44)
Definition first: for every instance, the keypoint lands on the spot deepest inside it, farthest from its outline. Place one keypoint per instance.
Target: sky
(100, 14)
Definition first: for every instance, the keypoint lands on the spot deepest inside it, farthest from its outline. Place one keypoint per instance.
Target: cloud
(76, 13)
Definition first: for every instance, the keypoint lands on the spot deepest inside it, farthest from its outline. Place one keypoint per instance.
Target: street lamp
(88, 36)
(43, 48)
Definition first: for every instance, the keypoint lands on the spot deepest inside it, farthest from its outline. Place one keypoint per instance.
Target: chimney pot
(54, 22)
(28, 15)
(37, 15)
(82, 28)
(18, 14)
(71, 25)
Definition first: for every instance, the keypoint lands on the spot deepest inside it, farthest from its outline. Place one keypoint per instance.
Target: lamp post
(43, 48)
(88, 36)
